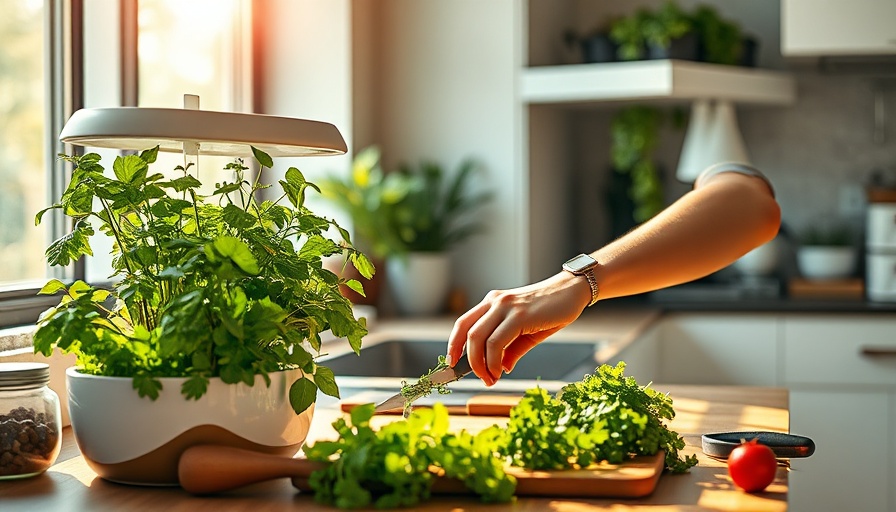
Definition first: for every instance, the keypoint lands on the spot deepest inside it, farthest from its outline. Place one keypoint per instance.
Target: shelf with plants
(649, 80)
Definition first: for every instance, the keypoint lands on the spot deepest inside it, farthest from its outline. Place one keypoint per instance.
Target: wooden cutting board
(456, 403)
(635, 478)
(632, 479)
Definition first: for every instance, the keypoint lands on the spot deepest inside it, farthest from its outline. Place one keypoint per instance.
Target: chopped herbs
(605, 417)
(423, 387)
(396, 465)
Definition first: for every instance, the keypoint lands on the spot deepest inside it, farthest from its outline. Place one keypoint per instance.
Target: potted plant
(667, 33)
(721, 40)
(430, 218)
(363, 195)
(211, 331)
(826, 252)
(635, 131)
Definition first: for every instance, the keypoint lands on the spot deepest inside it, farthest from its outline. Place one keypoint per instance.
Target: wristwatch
(583, 265)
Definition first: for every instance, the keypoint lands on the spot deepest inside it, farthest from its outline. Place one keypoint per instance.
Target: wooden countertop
(70, 485)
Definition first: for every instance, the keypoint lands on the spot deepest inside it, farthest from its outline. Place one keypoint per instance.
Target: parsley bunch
(396, 465)
(219, 286)
(604, 417)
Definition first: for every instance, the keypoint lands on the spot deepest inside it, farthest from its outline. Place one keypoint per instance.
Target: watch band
(592, 282)
(583, 265)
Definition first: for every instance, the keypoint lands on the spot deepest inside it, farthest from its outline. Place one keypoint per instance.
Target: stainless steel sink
(551, 360)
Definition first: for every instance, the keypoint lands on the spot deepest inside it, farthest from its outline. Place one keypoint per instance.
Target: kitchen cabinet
(841, 372)
(814, 28)
(719, 348)
(642, 357)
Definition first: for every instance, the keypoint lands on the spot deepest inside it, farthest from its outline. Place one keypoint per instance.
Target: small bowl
(785, 446)
(826, 262)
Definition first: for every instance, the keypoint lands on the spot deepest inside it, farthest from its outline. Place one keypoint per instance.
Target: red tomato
(752, 466)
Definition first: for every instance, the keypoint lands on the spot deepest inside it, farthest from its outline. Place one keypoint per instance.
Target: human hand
(506, 324)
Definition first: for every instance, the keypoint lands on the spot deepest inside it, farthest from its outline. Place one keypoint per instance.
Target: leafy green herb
(397, 464)
(219, 286)
(604, 417)
(423, 387)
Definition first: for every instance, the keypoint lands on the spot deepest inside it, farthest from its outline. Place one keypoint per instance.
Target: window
(136, 52)
(22, 178)
(35, 51)
(196, 48)
(199, 47)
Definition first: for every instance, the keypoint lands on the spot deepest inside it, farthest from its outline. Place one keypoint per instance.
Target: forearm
(704, 231)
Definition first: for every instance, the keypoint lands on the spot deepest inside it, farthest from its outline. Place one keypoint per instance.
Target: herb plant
(397, 464)
(219, 286)
(604, 417)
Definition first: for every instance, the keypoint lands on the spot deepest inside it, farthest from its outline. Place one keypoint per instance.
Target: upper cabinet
(812, 28)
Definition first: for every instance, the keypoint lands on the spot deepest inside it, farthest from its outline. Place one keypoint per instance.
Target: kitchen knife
(443, 376)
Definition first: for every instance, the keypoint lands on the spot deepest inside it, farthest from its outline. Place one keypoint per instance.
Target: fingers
(481, 330)
(481, 347)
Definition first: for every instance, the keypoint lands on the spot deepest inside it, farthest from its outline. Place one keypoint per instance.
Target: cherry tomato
(752, 466)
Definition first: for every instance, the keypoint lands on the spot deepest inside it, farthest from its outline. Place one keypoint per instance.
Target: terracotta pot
(128, 439)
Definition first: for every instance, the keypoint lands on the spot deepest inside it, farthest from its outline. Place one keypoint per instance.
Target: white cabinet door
(838, 27)
(642, 356)
(841, 372)
(843, 349)
(849, 470)
(722, 349)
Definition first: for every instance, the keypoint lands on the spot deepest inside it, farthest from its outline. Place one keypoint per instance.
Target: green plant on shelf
(635, 133)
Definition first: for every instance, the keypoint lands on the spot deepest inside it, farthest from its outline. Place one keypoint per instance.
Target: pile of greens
(397, 465)
(604, 417)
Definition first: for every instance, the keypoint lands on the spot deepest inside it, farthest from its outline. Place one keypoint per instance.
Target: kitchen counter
(70, 485)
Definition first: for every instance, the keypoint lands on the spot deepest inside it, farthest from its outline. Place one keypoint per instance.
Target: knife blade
(444, 376)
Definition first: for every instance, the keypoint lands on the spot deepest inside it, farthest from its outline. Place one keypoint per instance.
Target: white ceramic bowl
(129, 439)
(826, 262)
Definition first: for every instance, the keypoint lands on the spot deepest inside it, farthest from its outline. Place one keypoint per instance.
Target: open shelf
(655, 80)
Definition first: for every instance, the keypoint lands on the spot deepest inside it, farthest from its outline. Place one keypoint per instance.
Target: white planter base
(134, 440)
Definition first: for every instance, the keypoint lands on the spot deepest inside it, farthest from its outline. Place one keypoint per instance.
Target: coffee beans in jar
(30, 437)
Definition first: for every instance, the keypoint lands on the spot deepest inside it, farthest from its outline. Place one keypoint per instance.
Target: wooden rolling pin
(210, 469)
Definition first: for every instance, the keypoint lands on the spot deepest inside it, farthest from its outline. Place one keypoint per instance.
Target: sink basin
(551, 360)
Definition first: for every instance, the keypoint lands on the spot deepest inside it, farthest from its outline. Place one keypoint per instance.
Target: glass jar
(30, 436)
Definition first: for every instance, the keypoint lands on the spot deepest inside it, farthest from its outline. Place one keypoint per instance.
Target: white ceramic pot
(419, 282)
(826, 262)
(129, 439)
(761, 261)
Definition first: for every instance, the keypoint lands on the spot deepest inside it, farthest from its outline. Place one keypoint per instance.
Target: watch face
(579, 263)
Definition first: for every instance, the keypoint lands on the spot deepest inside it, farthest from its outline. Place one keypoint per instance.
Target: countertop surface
(70, 485)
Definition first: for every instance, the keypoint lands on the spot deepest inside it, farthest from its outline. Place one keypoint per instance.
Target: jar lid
(19, 375)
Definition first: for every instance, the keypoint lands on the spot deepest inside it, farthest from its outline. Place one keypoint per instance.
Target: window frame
(63, 37)
(66, 92)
